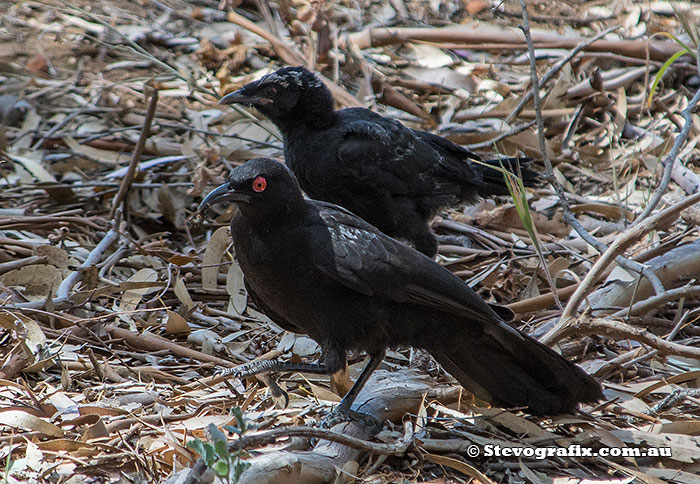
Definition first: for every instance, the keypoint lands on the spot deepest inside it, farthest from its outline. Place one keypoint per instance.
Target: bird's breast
(272, 264)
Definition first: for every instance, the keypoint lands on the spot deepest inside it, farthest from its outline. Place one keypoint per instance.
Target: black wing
(369, 262)
(386, 155)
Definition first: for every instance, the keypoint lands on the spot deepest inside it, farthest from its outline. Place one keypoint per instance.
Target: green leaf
(198, 446)
(662, 71)
(221, 449)
(211, 455)
(221, 468)
(516, 187)
(239, 418)
(204, 449)
(679, 41)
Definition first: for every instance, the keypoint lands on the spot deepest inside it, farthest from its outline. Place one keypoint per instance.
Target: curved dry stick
(269, 436)
(556, 68)
(623, 331)
(135, 156)
(643, 307)
(622, 241)
(92, 259)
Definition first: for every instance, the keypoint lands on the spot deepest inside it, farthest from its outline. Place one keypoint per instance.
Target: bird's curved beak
(239, 97)
(223, 193)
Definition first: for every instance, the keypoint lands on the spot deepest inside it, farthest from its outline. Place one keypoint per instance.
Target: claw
(226, 372)
(251, 369)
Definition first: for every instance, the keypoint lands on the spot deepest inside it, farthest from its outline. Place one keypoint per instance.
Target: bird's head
(288, 93)
(261, 185)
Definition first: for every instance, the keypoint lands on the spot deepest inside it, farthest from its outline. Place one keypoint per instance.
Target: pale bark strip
(675, 267)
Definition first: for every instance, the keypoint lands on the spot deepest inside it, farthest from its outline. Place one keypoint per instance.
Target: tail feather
(493, 182)
(510, 369)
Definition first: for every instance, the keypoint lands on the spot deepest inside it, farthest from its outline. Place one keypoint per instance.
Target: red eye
(259, 184)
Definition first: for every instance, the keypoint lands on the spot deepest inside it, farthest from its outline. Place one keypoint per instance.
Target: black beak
(222, 193)
(239, 97)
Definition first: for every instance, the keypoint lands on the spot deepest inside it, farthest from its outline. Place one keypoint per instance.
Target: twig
(623, 331)
(675, 398)
(670, 158)
(64, 122)
(128, 179)
(622, 241)
(643, 307)
(167, 67)
(549, 170)
(262, 438)
(496, 35)
(291, 57)
(92, 259)
(555, 70)
(19, 263)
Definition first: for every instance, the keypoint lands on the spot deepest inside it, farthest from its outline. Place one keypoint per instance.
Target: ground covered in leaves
(117, 304)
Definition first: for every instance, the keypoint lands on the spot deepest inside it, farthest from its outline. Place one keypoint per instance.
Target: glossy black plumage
(392, 176)
(316, 268)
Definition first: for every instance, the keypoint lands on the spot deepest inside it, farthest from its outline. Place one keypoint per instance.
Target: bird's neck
(270, 219)
(312, 114)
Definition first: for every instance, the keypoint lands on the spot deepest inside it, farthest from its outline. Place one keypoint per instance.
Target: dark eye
(270, 90)
(259, 184)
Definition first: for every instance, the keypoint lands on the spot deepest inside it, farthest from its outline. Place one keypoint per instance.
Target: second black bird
(394, 177)
(316, 268)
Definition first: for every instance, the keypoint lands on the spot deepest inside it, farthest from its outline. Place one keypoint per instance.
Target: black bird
(394, 177)
(316, 268)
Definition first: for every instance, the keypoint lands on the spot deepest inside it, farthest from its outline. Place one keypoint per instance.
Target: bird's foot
(342, 414)
(459, 240)
(226, 372)
(256, 368)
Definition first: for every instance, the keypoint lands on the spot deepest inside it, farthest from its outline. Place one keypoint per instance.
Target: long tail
(493, 182)
(510, 369)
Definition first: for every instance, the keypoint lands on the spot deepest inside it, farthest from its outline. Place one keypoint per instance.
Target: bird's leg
(344, 411)
(271, 366)
(275, 366)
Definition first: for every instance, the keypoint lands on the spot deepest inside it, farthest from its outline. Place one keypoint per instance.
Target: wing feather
(371, 263)
(386, 154)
